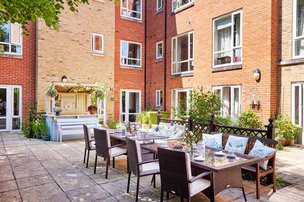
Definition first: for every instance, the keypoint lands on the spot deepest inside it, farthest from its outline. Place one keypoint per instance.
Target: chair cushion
(198, 186)
(213, 141)
(261, 151)
(92, 144)
(150, 168)
(117, 151)
(177, 132)
(236, 144)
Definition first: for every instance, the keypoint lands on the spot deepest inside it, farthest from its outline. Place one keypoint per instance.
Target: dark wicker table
(227, 172)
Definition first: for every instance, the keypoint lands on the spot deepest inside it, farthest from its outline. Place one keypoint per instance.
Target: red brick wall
(21, 70)
(259, 50)
(128, 78)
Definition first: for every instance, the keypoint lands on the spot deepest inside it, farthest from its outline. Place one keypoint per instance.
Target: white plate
(199, 158)
(219, 153)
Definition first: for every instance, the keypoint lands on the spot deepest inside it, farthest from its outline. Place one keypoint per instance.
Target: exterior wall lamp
(64, 79)
(257, 75)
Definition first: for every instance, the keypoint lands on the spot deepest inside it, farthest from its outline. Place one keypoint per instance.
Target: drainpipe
(165, 60)
(145, 51)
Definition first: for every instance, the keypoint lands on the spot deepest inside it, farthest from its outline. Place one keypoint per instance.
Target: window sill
(97, 54)
(183, 8)
(7, 55)
(159, 11)
(130, 67)
(158, 60)
(131, 19)
(226, 68)
(189, 74)
(297, 61)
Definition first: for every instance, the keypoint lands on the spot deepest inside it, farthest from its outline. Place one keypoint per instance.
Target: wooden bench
(70, 127)
(255, 170)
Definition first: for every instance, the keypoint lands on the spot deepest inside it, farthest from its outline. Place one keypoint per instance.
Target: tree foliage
(25, 11)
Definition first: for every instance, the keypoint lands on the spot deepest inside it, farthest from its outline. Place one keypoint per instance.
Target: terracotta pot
(92, 111)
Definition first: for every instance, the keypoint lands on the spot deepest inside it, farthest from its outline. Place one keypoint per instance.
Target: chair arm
(145, 162)
(199, 176)
(269, 157)
(117, 145)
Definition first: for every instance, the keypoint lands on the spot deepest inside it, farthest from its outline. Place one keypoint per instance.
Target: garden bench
(255, 170)
(70, 127)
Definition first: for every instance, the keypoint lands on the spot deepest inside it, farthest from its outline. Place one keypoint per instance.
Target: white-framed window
(97, 44)
(11, 39)
(180, 100)
(297, 104)
(298, 28)
(231, 100)
(159, 5)
(227, 40)
(159, 50)
(130, 105)
(181, 4)
(159, 98)
(131, 9)
(182, 53)
(130, 54)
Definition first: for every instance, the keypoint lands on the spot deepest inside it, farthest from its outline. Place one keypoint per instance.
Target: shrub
(203, 105)
(143, 118)
(226, 121)
(28, 123)
(153, 116)
(249, 119)
(112, 124)
(39, 127)
(285, 130)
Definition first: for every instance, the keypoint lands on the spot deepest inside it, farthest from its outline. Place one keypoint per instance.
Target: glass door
(3, 108)
(130, 105)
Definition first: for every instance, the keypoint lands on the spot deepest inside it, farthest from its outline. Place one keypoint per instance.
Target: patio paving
(35, 170)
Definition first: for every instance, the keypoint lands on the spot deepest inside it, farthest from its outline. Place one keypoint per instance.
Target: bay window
(11, 39)
(131, 9)
(231, 100)
(180, 4)
(227, 40)
(298, 32)
(130, 54)
(182, 54)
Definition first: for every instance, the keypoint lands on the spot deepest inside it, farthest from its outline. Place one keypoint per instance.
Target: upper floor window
(159, 50)
(159, 5)
(131, 9)
(11, 39)
(182, 54)
(130, 54)
(97, 44)
(298, 31)
(181, 4)
(231, 100)
(227, 40)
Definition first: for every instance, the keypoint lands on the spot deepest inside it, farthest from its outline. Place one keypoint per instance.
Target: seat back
(134, 156)
(175, 171)
(102, 142)
(86, 136)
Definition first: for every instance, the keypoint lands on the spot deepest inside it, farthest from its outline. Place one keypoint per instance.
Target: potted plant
(57, 110)
(99, 91)
(285, 131)
(112, 126)
(92, 109)
(51, 91)
(144, 119)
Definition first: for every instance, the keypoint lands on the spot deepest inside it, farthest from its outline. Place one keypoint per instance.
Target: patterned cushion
(213, 141)
(236, 144)
(261, 151)
(178, 132)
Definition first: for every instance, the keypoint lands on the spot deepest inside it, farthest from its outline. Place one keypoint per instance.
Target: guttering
(145, 51)
(165, 60)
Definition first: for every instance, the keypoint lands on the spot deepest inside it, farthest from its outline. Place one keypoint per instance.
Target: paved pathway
(34, 170)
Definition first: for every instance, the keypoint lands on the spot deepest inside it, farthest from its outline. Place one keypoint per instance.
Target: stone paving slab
(52, 171)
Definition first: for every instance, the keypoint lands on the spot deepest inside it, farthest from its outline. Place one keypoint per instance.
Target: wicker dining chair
(137, 166)
(105, 150)
(176, 176)
(89, 145)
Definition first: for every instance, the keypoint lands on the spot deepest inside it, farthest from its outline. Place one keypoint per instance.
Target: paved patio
(34, 170)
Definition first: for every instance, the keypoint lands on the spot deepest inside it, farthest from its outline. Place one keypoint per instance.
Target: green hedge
(153, 116)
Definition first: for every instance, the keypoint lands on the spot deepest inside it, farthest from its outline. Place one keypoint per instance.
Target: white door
(130, 105)
(10, 108)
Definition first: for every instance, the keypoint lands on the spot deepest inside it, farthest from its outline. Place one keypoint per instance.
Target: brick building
(17, 74)
(291, 61)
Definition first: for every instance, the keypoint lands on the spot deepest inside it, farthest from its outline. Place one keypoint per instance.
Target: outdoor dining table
(141, 136)
(227, 172)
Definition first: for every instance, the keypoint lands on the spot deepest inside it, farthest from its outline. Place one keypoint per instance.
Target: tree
(25, 11)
